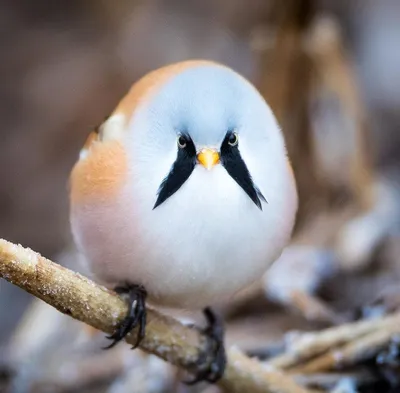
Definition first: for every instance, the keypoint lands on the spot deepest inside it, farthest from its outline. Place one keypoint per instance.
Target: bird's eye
(182, 142)
(233, 139)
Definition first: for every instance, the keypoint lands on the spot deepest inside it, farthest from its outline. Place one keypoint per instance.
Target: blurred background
(329, 70)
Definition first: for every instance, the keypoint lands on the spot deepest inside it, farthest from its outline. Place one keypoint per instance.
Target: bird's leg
(211, 371)
(136, 315)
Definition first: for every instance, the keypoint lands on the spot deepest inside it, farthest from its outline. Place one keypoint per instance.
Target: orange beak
(208, 158)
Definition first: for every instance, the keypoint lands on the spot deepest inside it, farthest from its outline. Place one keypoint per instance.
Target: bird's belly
(205, 277)
(186, 265)
(186, 256)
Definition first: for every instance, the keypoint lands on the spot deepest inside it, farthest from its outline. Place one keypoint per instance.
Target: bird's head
(186, 123)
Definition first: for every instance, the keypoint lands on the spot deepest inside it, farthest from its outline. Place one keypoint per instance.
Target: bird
(183, 195)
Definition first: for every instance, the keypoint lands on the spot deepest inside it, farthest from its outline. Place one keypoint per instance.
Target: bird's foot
(136, 315)
(211, 370)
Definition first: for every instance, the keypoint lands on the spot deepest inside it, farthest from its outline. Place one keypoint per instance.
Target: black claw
(136, 315)
(213, 370)
(141, 320)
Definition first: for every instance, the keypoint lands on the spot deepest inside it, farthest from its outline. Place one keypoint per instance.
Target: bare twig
(275, 380)
(313, 308)
(82, 299)
(357, 350)
(311, 344)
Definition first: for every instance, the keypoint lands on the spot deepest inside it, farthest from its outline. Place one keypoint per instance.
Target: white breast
(205, 243)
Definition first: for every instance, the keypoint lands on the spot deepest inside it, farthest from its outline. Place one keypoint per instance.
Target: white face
(211, 108)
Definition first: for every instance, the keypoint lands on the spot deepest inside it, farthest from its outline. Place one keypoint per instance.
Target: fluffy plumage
(209, 239)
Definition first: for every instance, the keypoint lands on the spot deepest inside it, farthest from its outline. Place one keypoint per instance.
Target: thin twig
(82, 299)
(357, 350)
(276, 381)
(313, 308)
(311, 344)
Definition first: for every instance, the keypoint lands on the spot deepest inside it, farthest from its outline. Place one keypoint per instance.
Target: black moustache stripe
(237, 169)
(180, 172)
(186, 162)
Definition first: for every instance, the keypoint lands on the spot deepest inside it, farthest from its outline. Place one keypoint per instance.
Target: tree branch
(82, 299)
